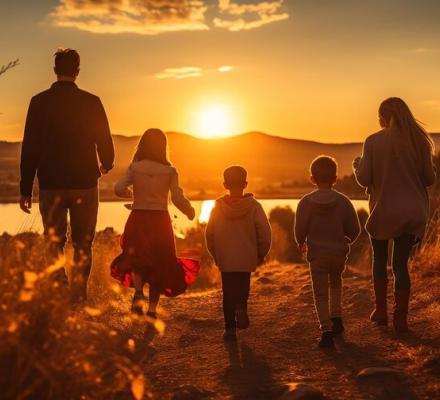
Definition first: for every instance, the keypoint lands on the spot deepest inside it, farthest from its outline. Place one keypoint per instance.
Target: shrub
(282, 220)
(49, 350)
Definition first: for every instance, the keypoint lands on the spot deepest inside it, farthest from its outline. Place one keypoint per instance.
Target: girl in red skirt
(148, 246)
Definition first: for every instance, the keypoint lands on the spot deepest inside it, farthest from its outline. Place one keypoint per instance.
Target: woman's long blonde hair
(409, 133)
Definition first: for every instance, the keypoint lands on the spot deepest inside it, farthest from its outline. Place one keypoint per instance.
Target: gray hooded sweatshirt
(327, 221)
(238, 234)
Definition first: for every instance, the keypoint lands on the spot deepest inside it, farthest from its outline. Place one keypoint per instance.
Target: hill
(276, 165)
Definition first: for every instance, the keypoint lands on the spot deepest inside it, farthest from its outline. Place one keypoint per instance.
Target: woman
(396, 168)
(148, 246)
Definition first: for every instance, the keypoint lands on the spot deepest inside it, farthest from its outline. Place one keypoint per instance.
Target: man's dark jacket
(66, 128)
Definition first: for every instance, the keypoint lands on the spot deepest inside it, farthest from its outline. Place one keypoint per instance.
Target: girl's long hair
(409, 136)
(153, 146)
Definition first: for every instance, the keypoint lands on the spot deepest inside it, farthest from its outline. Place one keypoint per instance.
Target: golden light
(205, 213)
(214, 122)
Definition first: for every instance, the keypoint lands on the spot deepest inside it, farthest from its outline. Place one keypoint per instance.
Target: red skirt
(149, 250)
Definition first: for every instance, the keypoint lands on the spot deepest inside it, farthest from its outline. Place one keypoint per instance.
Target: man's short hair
(324, 169)
(66, 62)
(235, 175)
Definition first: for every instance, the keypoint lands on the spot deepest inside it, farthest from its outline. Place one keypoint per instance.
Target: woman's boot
(379, 315)
(401, 301)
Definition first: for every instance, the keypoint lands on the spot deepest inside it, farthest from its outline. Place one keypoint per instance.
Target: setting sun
(214, 122)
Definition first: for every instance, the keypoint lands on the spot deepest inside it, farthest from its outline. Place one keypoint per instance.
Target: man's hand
(191, 214)
(26, 204)
(103, 170)
(302, 248)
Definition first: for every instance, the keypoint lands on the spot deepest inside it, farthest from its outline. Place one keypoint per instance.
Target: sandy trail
(281, 344)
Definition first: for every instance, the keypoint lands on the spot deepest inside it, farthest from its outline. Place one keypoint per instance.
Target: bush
(49, 350)
(360, 253)
(284, 249)
(195, 240)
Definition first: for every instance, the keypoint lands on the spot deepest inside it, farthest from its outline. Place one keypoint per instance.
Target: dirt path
(281, 344)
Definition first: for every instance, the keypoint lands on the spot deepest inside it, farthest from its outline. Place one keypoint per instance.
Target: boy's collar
(233, 199)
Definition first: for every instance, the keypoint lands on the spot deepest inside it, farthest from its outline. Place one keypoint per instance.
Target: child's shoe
(230, 335)
(138, 302)
(242, 318)
(152, 314)
(326, 341)
(338, 326)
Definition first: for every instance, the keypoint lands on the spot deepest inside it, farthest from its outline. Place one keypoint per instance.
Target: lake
(114, 214)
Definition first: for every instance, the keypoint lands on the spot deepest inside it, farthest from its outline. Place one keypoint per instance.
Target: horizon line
(226, 137)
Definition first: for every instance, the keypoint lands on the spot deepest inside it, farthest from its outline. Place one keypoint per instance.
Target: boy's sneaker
(326, 341)
(242, 318)
(338, 326)
(230, 335)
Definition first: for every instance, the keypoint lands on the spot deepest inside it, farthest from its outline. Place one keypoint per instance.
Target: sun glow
(205, 213)
(214, 122)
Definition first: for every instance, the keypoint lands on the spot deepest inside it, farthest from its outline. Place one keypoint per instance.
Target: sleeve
(428, 171)
(104, 142)
(30, 150)
(209, 234)
(123, 184)
(301, 222)
(352, 228)
(364, 171)
(264, 233)
(177, 196)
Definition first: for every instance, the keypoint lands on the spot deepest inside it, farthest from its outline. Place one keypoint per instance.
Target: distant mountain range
(272, 162)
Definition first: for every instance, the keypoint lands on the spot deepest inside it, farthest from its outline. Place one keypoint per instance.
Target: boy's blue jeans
(236, 286)
(402, 250)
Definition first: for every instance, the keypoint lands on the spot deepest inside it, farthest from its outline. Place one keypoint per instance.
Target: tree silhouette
(8, 66)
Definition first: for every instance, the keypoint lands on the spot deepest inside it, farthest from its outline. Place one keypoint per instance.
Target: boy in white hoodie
(326, 223)
(238, 236)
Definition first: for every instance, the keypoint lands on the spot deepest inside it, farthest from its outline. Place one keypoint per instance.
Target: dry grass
(49, 350)
(427, 257)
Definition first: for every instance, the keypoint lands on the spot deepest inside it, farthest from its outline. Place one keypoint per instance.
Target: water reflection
(205, 212)
(114, 214)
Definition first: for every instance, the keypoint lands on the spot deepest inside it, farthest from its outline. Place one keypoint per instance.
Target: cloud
(237, 17)
(189, 72)
(422, 50)
(224, 68)
(151, 17)
(147, 17)
(179, 73)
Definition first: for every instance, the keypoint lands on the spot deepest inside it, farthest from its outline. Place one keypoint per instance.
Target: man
(66, 128)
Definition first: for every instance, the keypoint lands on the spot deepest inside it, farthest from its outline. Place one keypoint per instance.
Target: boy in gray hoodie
(326, 224)
(238, 236)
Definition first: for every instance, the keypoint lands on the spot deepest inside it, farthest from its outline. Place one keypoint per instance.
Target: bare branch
(10, 65)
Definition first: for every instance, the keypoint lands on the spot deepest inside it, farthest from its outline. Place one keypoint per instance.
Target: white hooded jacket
(238, 234)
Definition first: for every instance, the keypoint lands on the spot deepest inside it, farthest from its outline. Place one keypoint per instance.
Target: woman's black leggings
(402, 250)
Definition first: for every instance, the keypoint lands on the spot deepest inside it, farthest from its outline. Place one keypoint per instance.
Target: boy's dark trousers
(235, 295)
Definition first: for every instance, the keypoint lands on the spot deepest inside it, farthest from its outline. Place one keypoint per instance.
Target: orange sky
(306, 69)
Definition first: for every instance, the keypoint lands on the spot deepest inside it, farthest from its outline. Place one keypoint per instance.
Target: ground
(281, 344)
